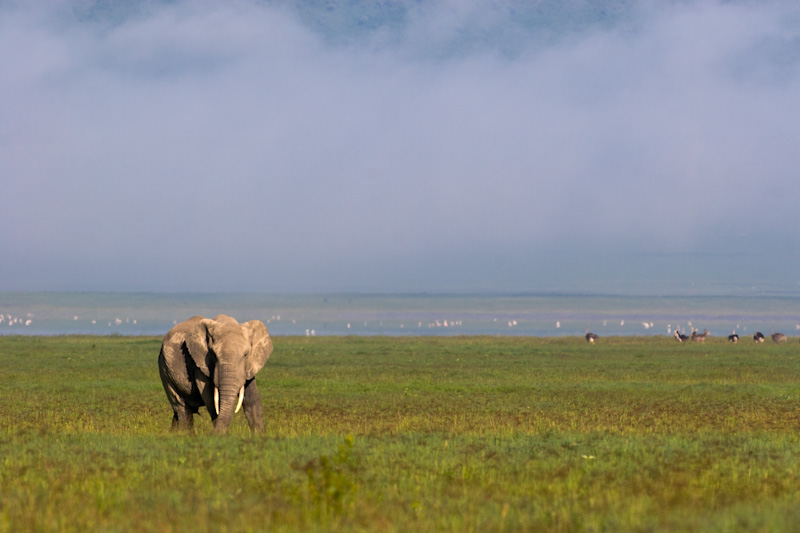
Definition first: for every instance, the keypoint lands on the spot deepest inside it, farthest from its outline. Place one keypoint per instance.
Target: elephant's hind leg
(182, 418)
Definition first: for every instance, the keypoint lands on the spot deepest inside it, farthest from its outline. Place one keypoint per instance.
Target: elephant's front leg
(206, 389)
(252, 406)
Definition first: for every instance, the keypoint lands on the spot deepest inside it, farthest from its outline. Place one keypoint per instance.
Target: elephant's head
(228, 354)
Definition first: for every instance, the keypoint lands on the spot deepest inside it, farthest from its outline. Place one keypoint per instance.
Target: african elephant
(213, 363)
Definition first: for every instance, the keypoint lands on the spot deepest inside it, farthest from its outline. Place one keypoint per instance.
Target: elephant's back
(173, 363)
(183, 328)
(173, 350)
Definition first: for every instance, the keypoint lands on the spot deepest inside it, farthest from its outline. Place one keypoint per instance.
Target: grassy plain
(410, 434)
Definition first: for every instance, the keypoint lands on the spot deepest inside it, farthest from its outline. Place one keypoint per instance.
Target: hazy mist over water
(421, 314)
(638, 148)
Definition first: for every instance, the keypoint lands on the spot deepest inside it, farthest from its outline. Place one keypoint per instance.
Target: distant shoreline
(339, 314)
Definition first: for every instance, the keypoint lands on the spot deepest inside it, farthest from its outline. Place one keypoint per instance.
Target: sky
(443, 146)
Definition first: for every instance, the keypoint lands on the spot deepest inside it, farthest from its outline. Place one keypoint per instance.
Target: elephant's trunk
(227, 398)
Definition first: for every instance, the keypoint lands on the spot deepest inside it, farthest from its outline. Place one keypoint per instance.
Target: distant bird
(758, 337)
(680, 337)
(699, 337)
(778, 337)
(591, 337)
(733, 337)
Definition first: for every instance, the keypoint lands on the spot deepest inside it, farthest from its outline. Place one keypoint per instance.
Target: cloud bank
(251, 146)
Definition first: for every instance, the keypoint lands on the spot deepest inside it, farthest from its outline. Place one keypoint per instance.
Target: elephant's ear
(197, 344)
(261, 347)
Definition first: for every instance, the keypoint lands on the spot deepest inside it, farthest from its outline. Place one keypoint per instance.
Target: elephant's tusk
(216, 400)
(241, 399)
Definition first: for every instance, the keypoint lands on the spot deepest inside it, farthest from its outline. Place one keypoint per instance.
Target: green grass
(400, 434)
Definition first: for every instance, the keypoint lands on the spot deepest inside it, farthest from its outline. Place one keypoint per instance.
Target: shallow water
(359, 314)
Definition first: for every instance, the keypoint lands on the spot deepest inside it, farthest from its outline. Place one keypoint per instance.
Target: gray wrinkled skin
(201, 355)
